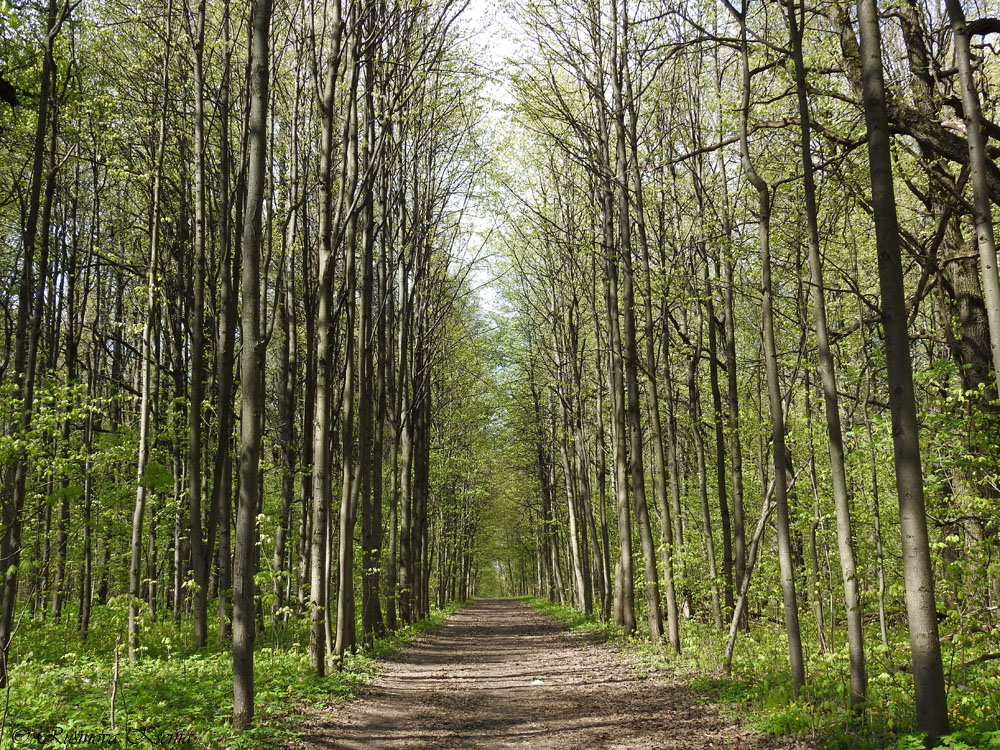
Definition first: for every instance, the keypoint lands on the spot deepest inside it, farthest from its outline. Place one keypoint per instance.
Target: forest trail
(499, 674)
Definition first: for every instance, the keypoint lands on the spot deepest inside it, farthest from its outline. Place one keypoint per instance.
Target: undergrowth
(59, 693)
(759, 690)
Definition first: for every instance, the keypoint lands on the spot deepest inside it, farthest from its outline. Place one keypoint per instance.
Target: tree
(828, 375)
(251, 376)
(928, 671)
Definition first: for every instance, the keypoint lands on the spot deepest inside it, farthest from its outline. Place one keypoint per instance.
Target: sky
(493, 34)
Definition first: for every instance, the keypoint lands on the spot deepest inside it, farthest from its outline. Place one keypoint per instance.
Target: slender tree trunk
(656, 435)
(406, 494)
(651, 584)
(199, 560)
(673, 535)
(398, 421)
(135, 565)
(602, 473)
(351, 466)
(251, 376)
(741, 599)
(918, 576)
(828, 376)
(305, 541)
(880, 590)
(286, 405)
(87, 572)
(732, 399)
(376, 271)
(624, 603)
(785, 561)
(577, 565)
(720, 448)
(815, 595)
(222, 480)
(694, 409)
(421, 473)
(65, 264)
(319, 595)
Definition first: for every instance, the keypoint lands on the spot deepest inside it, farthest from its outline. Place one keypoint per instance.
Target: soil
(499, 674)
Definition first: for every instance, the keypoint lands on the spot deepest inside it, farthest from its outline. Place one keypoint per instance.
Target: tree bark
(775, 406)
(251, 375)
(828, 377)
(918, 577)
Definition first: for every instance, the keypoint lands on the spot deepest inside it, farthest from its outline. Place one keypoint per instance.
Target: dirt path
(499, 674)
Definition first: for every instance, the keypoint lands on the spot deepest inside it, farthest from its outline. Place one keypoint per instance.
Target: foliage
(175, 696)
(575, 620)
(759, 690)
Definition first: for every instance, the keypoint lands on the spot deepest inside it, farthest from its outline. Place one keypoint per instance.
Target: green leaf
(156, 476)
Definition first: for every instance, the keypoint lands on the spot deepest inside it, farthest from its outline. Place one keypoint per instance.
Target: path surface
(499, 674)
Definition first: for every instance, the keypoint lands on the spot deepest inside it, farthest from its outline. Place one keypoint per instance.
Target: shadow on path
(499, 674)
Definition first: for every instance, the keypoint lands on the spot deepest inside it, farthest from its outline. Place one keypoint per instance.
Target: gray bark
(251, 376)
(828, 376)
(918, 577)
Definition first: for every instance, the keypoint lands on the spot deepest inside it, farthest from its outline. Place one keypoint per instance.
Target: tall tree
(143, 482)
(774, 397)
(828, 376)
(918, 575)
(251, 374)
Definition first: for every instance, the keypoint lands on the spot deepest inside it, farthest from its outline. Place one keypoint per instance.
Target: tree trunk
(732, 395)
(135, 565)
(576, 554)
(319, 595)
(624, 603)
(651, 582)
(656, 435)
(352, 466)
(775, 406)
(828, 376)
(199, 560)
(222, 480)
(918, 577)
(695, 415)
(720, 447)
(251, 376)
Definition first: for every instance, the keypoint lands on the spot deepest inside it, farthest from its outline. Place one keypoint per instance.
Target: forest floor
(500, 674)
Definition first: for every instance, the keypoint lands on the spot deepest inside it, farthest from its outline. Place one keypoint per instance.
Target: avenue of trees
(740, 369)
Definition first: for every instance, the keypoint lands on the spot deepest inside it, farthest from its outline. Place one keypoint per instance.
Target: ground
(499, 674)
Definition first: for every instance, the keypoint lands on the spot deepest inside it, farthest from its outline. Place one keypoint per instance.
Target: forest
(674, 323)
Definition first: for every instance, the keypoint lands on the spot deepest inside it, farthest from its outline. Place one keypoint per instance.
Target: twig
(114, 680)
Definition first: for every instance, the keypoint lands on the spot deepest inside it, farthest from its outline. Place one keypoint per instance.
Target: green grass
(60, 689)
(759, 690)
(573, 619)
